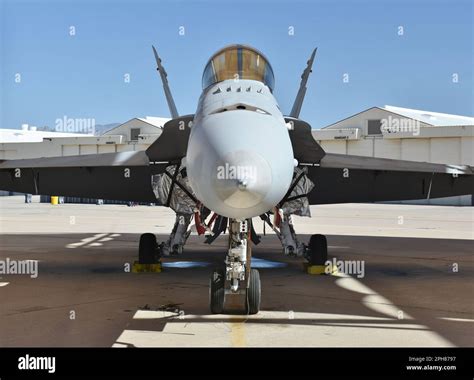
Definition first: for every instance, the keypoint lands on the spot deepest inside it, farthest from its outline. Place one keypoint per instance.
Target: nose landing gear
(237, 288)
(217, 291)
(254, 293)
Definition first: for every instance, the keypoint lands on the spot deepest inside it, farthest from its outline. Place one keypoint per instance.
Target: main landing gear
(150, 252)
(236, 288)
(317, 250)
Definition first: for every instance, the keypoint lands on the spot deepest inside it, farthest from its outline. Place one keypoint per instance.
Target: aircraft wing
(114, 176)
(343, 178)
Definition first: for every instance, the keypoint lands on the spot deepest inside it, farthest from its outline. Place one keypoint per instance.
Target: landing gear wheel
(177, 249)
(216, 292)
(147, 249)
(289, 250)
(254, 292)
(318, 250)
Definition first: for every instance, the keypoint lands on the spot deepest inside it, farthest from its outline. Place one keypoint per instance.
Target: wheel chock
(319, 269)
(147, 268)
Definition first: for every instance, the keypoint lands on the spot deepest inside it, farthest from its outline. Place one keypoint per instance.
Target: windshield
(238, 62)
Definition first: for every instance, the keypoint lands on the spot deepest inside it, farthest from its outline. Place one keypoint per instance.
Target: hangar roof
(152, 121)
(27, 135)
(434, 119)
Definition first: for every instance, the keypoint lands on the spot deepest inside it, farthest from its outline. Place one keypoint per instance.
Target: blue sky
(82, 76)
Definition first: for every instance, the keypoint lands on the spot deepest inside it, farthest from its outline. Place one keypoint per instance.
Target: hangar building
(404, 134)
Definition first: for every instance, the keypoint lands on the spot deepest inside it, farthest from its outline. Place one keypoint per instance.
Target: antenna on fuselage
(295, 111)
(166, 87)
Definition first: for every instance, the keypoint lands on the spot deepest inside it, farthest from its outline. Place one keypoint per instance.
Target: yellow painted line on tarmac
(237, 334)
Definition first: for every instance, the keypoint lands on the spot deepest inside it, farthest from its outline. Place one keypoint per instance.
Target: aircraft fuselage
(239, 159)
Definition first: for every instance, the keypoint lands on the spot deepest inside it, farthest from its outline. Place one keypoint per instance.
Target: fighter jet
(238, 157)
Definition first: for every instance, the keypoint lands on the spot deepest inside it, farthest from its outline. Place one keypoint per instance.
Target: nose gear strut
(237, 288)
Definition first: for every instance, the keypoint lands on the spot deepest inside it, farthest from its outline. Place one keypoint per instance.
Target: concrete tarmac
(415, 290)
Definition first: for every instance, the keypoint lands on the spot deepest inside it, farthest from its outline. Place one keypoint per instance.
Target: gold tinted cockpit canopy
(238, 62)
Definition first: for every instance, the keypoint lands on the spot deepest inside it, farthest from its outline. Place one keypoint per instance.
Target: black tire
(216, 292)
(147, 249)
(177, 249)
(254, 292)
(318, 250)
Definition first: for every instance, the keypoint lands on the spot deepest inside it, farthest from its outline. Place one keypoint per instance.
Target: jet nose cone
(243, 179)
(243, 183)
